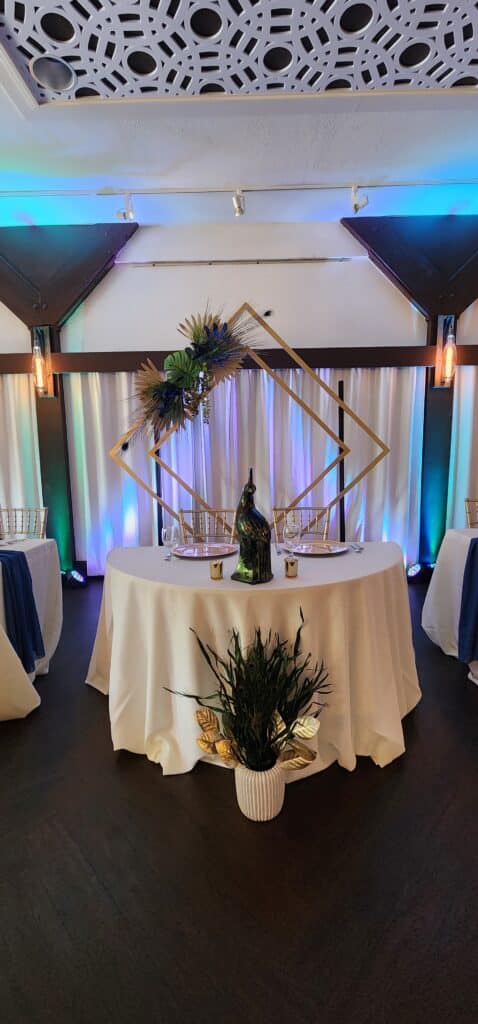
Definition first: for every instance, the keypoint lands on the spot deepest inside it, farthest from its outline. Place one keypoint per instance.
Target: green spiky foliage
(259, 686)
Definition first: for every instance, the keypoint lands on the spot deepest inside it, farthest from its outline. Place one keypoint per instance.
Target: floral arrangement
(216, 352)
(267, 698)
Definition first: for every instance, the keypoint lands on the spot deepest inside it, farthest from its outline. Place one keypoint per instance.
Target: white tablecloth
(18, 696)
(441, 610)
(357, 620)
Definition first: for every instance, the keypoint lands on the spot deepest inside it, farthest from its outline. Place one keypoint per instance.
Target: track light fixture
(127, 213)
(358, 202)
(239, 203)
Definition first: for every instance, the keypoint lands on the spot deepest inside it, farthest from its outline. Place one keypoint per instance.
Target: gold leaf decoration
(212, 735)
(208, 748)
(296, 756)
(278, 722)
(306, 727)
(225, 750)
(207, 719)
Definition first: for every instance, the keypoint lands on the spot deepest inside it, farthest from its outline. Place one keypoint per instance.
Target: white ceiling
(220, 143)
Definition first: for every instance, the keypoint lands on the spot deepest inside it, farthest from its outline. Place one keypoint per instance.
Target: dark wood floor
(127, 897)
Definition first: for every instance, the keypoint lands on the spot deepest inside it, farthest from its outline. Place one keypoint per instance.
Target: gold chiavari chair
(311, 522)
(218, 524)
(471, 509)
(26, 522)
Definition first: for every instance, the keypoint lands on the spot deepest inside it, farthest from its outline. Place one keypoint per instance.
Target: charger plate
(319, 548)
(203, 550)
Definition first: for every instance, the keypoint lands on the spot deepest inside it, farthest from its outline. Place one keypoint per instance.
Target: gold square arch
(307, 409)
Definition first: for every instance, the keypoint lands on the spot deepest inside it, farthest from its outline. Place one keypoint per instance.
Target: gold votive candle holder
(215, 569)
(291, 566)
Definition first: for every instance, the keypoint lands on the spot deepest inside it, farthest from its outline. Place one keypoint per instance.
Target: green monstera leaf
(181, 369)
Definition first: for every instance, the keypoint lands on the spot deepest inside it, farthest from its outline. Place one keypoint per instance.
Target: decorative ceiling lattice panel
(124, 48)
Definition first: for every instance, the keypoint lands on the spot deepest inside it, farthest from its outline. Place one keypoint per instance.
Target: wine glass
(291, 532)
(169, 536)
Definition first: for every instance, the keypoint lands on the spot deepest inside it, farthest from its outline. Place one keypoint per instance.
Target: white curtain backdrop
(20, 480)
(255, 423)
(109, 509)
(463, 479)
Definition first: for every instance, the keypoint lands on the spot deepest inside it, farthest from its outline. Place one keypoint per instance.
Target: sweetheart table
(441, 609)
(357, 620)
(18, 696)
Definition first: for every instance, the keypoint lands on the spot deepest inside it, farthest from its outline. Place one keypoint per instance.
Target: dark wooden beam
(340, 358)
(54, 463)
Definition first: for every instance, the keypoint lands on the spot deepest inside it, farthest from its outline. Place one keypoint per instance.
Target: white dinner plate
(319, 548)
(212, 550)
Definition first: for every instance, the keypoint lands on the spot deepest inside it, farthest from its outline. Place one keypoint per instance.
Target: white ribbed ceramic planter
(260, 795)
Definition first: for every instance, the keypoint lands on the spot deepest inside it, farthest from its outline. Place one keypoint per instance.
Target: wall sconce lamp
(446, 353)
(41, 363)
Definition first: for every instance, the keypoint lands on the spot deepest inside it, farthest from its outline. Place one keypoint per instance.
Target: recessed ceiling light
(52, 73)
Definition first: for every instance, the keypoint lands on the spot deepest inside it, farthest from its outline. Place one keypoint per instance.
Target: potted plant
(268, 698)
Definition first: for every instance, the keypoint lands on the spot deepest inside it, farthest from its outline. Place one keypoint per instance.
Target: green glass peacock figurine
(254, 565)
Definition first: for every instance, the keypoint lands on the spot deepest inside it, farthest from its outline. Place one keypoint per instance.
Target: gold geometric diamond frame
(343, 448)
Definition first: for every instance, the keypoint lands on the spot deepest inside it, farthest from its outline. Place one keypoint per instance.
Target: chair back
(217, 524)
(471, 509)
(311, 522)
(26, 522)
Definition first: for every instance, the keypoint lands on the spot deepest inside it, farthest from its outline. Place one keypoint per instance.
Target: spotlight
(239, 203)
(358, 202)
(72, 579)
(128, 212)
(413, 570)
(75, 577)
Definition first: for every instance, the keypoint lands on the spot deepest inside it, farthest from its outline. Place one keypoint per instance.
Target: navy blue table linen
(468, 625)
(21, 618)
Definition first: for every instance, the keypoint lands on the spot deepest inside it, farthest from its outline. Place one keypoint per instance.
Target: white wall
(467, 329)
(330, 304)
(14, 336)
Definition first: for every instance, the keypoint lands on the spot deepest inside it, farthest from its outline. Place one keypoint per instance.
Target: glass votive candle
(291, 566)
(215, 569)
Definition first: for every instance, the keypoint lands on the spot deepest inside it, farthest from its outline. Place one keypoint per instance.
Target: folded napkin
(468, 625)
(21, 618)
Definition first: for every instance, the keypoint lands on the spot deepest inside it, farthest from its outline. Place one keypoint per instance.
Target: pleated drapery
(253, 422)
(463, 478)
(109, 508)
(20, 480)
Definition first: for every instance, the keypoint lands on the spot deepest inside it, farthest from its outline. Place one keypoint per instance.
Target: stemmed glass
(169, 537)
(291, 533)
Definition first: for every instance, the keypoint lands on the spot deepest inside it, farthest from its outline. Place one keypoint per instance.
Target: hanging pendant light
(41, 363)
(446, 352)
(39, 369)
(449, 360)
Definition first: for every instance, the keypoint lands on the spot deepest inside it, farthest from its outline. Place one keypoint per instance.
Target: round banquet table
(18, 696)
(441, 609)
(357, 620)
